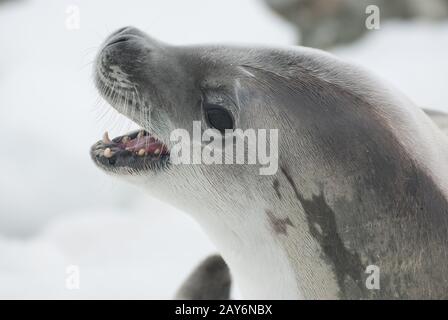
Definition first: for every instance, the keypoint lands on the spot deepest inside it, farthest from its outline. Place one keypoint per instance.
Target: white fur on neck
(258, 263)
(237, 225)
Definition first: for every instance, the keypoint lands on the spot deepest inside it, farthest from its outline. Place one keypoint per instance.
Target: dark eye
(218, 117)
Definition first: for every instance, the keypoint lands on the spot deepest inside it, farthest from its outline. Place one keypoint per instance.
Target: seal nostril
(119, 39)
(127, 29)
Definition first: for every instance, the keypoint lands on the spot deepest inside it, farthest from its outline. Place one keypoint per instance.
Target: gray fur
(209, 281)
(363, 176)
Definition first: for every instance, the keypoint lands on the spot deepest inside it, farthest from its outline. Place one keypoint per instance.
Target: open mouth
(134, 152)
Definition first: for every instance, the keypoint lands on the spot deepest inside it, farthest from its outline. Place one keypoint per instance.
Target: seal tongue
(138, 143)
(142, 144)
(147, 143)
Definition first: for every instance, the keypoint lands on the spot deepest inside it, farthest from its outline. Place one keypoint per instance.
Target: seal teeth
(141, 134)
(141, 152)
(157, 151)
(106, 138)
(125, 139)
(108, 153)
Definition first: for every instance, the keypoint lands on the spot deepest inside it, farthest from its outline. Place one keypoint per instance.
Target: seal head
(362, 175)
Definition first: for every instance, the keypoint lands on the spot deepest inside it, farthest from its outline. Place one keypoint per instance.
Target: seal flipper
(440, 118)
(210, 280)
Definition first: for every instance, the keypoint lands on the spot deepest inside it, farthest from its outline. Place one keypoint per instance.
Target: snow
(119, 256)
(57, 209)
(410, 55)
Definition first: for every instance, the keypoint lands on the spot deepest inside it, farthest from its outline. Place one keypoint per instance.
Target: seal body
(361, 179)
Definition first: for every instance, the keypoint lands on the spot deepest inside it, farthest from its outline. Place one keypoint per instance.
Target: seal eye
(218, 117)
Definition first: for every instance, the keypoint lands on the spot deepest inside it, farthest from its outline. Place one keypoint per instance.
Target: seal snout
(117, 64)
(119, 39)
(125, 32)
(123, 35)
